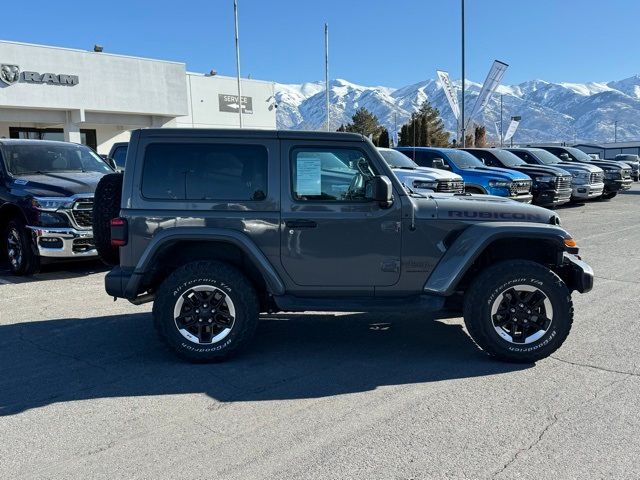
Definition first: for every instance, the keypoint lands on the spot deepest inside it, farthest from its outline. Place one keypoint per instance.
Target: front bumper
(552, 197)
(587, 190)
(617, 185)
(578, 275)
(527, 198)
(64, 242)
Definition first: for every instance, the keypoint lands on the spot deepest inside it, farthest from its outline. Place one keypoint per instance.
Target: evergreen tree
(364, 122)
(424, 129)
(341, 128)
(480, 134)
(383, 138)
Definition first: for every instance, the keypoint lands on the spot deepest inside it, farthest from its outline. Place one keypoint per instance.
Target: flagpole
(235, 15)
(326, 69)
(464, 140)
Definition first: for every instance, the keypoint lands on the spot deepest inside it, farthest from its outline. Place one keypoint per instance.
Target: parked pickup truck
(46, 202)
(478, 178)
(421, 179)
(617, 175)
(551, 185)
(216, 226)
(587, 179)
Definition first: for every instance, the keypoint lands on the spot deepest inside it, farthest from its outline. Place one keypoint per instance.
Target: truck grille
(83, 212)
(597, 177)
(520, 187)
(453, 186)
(563, 182)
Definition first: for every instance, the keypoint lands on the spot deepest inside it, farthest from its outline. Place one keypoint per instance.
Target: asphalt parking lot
(87, 391)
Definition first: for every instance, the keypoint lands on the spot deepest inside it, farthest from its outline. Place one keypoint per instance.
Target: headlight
(50, 219)
(581, 177)
(50, 204)
(500, 183)
(612, 175)
(425, 184)
(546, 179)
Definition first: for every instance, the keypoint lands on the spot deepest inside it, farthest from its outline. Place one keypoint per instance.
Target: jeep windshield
(508, 159)
(396, 159)
(462, 159)
(23, 159)
(545, 157)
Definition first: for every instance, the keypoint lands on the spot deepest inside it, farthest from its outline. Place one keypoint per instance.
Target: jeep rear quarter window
(204, 171)
(335, 174)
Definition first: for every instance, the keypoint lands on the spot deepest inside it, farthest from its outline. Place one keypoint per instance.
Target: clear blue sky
(373, 42)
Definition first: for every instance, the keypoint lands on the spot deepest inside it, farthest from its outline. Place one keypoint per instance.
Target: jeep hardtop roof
(249, 133)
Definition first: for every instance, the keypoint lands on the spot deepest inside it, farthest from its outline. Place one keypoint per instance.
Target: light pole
(501, 135)
(615, 131)
(326, 69)
(235, 15)
(463, 129)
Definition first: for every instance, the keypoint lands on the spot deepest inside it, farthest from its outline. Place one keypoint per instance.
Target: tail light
(119, 232)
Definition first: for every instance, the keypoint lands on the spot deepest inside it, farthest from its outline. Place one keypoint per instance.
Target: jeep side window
(204, 171)
(333, 174)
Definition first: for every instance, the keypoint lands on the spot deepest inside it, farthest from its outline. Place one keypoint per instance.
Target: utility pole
(464, 140)
(235, 14)
(615, 131)
(326, 68)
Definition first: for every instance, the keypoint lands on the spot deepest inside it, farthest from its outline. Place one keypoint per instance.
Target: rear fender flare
(172, 236)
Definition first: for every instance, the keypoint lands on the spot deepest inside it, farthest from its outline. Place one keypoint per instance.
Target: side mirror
(379, 190)
(439, 163)
(111, 162)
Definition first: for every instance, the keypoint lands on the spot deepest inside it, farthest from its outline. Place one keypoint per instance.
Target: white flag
(497, 124)
(513, 126)
(494, 77)
(450, 92)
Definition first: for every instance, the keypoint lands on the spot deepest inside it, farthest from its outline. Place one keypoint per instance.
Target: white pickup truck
(419, 178)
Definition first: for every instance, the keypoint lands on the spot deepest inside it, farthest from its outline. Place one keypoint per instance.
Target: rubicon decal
(11, 74)
(527, 217)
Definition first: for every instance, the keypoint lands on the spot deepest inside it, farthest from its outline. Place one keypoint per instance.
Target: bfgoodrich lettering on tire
(518, 311)
(206, 311)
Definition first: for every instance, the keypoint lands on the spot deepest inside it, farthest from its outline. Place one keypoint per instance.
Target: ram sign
(10, 74)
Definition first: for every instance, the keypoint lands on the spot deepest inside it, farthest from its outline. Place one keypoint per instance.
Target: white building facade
(98, 98)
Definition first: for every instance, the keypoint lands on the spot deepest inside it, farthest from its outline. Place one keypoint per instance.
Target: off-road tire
(484, 290)
(106, 206)
(222, 276)
(30, 261)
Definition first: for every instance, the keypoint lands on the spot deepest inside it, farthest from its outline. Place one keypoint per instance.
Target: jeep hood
(481, 208)
(59, 184)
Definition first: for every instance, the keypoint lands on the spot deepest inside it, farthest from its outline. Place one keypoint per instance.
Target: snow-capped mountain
(550, 111)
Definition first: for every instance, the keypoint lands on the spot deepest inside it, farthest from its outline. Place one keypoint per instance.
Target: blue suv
(478, 178)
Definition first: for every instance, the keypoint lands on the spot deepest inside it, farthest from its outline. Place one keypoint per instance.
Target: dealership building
(97, 98)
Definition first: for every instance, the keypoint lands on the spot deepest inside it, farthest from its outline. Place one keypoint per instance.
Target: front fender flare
(474, 240)
(181, 234)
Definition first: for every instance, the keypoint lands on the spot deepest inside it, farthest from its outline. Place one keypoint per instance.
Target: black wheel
(518, 311)
(609, 195)
(19, 248)
(206, 311)
(106, 206)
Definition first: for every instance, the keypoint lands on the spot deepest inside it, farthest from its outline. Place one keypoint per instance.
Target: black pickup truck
(46, 202)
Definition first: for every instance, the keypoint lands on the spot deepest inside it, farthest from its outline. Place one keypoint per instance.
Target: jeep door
(332, 234)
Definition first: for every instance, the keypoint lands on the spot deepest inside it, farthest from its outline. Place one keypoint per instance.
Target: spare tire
(106, 206)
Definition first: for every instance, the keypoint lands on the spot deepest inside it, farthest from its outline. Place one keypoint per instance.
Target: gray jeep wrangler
(217, 226)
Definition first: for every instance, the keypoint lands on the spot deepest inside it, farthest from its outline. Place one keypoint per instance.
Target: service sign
(229, 103)
(11, 74)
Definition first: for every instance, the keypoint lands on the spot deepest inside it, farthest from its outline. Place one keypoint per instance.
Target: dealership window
(87, 136)
(333, 174)
(205, 171)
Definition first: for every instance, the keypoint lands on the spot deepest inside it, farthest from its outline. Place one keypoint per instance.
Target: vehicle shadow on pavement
(54, 271)
(291, 357)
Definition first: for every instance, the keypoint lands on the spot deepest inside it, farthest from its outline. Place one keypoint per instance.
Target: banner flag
(450, 92)
(513, 126)
(494, 77)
